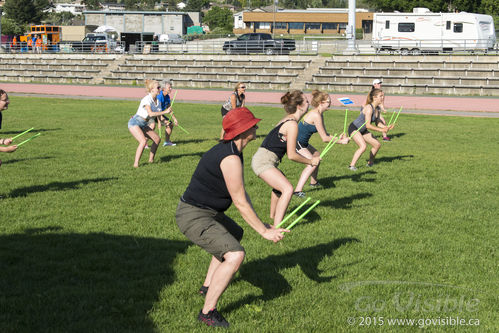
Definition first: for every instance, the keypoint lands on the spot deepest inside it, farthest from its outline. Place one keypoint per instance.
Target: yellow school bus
(50, 34)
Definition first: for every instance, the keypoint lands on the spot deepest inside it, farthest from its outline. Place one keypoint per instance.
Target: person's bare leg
(221, 278)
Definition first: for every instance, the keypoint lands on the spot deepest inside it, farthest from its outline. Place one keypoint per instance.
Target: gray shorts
(263, 160)
(213, 231)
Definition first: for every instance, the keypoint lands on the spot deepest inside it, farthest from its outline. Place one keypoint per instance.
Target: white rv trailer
(424, 31)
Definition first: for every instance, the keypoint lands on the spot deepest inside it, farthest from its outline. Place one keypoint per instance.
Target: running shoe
(169, 144)
(352, 168)
(316, 185)
(213, 318)
(299, 194)
(386, 138)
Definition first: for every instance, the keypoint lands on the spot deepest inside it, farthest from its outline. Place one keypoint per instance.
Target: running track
(456, 106)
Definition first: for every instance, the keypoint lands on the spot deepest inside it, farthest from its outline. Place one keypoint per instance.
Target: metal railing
(302, 47)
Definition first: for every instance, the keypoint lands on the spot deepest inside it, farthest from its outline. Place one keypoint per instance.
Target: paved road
(451, 106)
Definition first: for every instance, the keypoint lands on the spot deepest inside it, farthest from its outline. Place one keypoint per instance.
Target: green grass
(90, 244)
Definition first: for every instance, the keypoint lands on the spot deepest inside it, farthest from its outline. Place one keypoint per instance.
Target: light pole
(351, 27)
(273, 26)
(1, 25)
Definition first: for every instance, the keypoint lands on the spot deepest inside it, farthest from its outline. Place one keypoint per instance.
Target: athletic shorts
(352, 128)
(213, 231)
(263, 160)
(300, 146)
(224, 111)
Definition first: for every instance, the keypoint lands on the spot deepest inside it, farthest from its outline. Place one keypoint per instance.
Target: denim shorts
(137, 120)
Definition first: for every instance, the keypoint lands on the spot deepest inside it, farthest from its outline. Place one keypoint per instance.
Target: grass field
(90, 244)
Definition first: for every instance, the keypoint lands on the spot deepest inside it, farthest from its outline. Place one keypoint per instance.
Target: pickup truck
(95, 43)
(259, 43)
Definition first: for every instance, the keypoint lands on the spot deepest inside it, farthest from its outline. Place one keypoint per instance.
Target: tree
(12, 28)
(25, 11)
(218, 17)
(142, 4)
(197, 5)
(92, 4)
(62, 18)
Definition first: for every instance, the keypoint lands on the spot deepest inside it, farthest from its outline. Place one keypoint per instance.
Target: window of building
(406, 27)
(387, 24)
(458, 27)
(296, 25)
(262, 25)
(281, 25)
(447, 25)
(329, 26)
(342, 26)
(312, 26)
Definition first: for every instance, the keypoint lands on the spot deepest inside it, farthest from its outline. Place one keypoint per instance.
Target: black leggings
(352, 128)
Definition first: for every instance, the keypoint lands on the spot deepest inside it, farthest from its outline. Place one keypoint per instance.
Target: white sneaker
(169, 144)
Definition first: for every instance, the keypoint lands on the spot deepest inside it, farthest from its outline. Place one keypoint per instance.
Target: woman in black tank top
(374, 99)
(281, 141)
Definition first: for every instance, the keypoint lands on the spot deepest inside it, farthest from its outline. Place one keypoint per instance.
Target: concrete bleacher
(53, 68)
(259, 72)
(453, 75)
(450, 74)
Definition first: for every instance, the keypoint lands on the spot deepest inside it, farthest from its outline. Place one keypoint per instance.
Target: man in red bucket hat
(216, 183)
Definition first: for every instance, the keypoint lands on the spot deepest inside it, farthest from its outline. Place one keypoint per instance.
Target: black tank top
(274, 141)
(207, 188)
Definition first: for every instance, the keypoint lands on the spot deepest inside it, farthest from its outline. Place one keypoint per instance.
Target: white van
(171, 38)
(423, 30)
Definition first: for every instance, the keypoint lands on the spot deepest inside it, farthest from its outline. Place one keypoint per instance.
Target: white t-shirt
(148, 100)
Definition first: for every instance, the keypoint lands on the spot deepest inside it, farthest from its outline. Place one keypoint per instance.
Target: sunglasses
(243, 87)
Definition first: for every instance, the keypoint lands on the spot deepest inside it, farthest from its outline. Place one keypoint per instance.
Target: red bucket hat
(238, 121)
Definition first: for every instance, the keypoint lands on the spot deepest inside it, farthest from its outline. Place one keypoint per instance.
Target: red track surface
(465, 104)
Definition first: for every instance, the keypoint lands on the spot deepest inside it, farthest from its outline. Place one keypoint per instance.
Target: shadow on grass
(389, 159)
(328, 182)
(183, 142)
(345, 202)
(396, 135)
(27, 159)
(265, 273)
(168, 158)
(30, 133)
(55, 282)
(55, 186)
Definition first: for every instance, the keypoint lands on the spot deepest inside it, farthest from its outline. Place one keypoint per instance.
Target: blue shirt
(164, 100)
(305, 131)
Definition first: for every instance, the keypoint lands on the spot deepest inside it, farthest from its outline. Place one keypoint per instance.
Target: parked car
(95, 43)
(259, 43)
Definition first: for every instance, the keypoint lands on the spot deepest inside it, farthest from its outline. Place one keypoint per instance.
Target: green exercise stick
(328, 145)
(34, 136)
(171, 104)
(294, 212)
(174, 96)
(345, 125)
(351, 136)
(329, 148)
(397, 116)
(303, 215)
(26, 131)
(393, 115)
